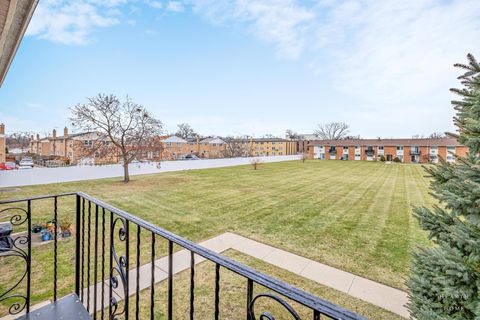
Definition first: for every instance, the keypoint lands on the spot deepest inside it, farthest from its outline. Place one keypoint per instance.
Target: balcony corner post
(77, 247)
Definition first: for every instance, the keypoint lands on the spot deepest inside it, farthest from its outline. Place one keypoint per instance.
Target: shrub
(305, 157)
(382, 158)
(255, 162)
(397, 159)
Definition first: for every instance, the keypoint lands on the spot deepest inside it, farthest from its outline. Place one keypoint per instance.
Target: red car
(8, 166)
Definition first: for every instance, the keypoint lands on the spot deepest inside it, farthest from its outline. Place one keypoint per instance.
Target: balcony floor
(66, 308)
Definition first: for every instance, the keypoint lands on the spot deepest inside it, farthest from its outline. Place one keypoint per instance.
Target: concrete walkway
(370, 291)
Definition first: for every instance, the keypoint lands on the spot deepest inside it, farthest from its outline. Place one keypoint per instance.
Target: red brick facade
(405, 150)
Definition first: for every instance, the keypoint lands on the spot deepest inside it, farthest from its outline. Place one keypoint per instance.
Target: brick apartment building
(406, 150)
(3, 143)
(74, 148)
(272, 146)
(178, 148)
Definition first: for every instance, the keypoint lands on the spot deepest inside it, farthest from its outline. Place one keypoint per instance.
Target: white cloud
(175, 6)
(396, 50)
(283, 23)
(154, 4)
(392, 55)
(70, 22)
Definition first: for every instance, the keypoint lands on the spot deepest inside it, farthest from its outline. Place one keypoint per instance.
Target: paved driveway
(36, 176)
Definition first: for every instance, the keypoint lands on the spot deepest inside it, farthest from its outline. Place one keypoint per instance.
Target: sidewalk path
(35, 176)
(370, 291)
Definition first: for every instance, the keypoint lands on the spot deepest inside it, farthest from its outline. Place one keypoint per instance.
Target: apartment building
(3, 143)
(74, 148)
(215, 147)
(406, 150)
(273, 147)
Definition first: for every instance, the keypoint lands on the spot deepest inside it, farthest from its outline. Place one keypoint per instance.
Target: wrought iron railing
(116, 239)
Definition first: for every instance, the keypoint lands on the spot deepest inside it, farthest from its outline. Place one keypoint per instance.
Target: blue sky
(247, 66)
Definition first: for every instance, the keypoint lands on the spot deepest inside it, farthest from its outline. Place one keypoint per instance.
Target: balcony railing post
(29, 254)
(249, 299)
(77, 248)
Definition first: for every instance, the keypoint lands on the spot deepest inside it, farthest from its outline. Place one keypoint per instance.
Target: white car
(22, 167)
(25, 162)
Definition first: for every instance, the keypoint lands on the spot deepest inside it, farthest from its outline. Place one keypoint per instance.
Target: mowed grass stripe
(353, 215)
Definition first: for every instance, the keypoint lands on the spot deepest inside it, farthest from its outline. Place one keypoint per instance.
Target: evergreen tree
(445, 278)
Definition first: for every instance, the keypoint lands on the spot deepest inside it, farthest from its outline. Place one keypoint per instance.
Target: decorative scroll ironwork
(16, 251)
(267, 315)
(120, 268)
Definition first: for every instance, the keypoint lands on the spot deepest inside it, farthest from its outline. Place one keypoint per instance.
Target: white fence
(35, 176)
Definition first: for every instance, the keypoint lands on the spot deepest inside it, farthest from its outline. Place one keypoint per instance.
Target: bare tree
(332, 130)
(256, 162)
(128, 127)
(19, 140)
(185, 131)
(237, 147)
(292, 135)
(269, 136)
(436, 135)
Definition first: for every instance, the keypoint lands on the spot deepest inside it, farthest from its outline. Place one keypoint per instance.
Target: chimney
(2, 128)
(65, 133)
(54, 134)
(38, 136)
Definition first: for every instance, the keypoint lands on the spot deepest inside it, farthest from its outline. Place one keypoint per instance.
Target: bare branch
(128, 127)
(332, 131)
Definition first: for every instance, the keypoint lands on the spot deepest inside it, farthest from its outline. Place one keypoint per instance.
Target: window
(380, 147)
(88, 143)
(345, 148)
(399, 147)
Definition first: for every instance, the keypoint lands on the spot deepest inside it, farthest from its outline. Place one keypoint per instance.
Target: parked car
(191, 157)
(26, 162)
(23, 167)
(8, 166)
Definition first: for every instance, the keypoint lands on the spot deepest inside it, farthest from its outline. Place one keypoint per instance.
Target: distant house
(74, 148)
(406, 150)
(211, 148)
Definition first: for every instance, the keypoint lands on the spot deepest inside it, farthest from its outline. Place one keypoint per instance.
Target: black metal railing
(117, 239)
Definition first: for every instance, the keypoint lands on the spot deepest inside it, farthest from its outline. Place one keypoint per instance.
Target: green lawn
(355, 216)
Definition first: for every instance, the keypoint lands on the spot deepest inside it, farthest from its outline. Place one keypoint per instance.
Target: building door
(389, 157)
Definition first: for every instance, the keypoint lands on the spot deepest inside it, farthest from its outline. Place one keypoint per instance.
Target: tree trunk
(126, 176)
